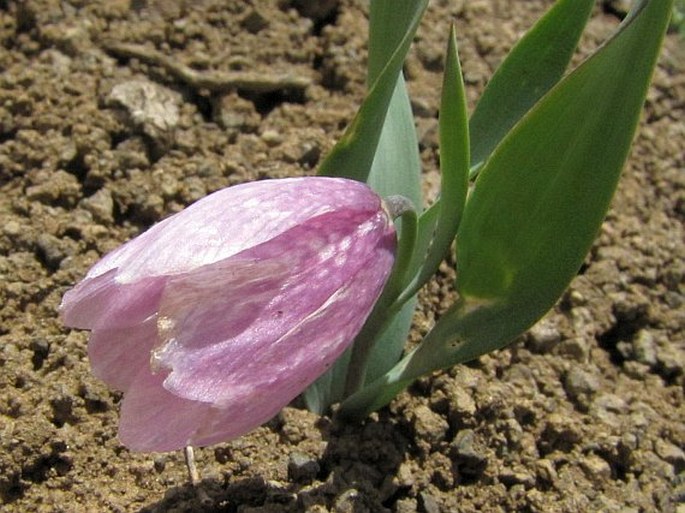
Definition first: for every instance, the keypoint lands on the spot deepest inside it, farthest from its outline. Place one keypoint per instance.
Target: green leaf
(353, 155)
(390, 346)
(454, 168)
(533, 66)
(394, 168)
(538, 204)
(427, 223)
(541, 197)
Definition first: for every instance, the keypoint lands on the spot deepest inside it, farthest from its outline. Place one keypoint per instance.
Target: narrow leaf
(396, 167)
(454, 167)
(380, 148)
(538, 204)
(353, 155)
(542, 195)
(532, 67)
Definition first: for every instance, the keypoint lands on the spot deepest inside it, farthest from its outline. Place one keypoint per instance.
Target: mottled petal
(216, 318)
(153, 419)
(101, 302)
(230, 221)
(118, 355)
(178, 422)
(323, 257)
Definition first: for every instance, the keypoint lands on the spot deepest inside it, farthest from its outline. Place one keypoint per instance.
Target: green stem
(376, 324)
(386, 307)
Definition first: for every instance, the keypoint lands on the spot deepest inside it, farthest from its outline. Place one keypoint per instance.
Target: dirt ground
(583, 413)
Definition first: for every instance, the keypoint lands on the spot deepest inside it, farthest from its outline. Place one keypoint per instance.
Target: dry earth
(583, 413)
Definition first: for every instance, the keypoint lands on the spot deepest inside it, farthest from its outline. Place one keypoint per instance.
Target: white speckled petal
(230, 221)
(257, 385)
(216, 318)
(214, 357)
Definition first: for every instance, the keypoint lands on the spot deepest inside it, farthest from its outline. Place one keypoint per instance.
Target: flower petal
(230, 221)
(101, 302)
(153, 419)
(329, 260)
(217, 317)
(117, 355)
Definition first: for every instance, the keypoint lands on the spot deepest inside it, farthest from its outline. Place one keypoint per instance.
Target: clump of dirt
(583, 413)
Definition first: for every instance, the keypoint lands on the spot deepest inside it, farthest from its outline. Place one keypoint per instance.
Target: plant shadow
(354, 473)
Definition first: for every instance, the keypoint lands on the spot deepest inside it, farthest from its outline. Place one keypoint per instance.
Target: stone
(272, 137)
(469, 460)
(511, 477)
(670, 453)
(52, 250)
(254, 21)
(579, 383)
(644, 348)
(408, 505)
(349, 501)
(428, 503)
(101, 205)
(302, 467)
(148, 108)
(543, 336)
(575, 348)
(429, 426)
(596, 469)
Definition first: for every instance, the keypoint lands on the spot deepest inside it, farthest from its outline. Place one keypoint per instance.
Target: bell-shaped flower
(217, 317)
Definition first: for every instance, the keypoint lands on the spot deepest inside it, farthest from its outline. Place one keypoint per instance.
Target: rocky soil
(116, 114)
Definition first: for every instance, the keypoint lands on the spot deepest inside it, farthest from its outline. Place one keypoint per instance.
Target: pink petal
(101, 302)
(230, 221)
(215, 362)
(217, 317)
(118, 355)
(153, 419)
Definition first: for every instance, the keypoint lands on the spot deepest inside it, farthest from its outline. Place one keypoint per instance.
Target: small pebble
(469, 460)
(670, 453)
(302, 468)
(429, 426)
(543, 336)
(101, 205)
(406, 506)
(596, 469)
(254, 21)
(510, 477)
(11, 228)
(575, 348)
(272, 137)
(428, 503)
(644, 348)
(349, 501)
(578, 383)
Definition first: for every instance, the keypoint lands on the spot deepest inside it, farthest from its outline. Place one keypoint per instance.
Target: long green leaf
(454, 169)
(394, 168)
(533, 66)
(538, 204)
(353, 155)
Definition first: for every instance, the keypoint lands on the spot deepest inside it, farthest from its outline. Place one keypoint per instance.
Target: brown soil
(583, 413)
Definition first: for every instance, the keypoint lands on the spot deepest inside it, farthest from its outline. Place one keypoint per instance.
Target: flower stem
(387, 305)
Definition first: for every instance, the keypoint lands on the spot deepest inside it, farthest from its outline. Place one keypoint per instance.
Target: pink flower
(215, 318)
